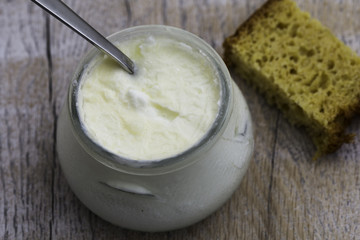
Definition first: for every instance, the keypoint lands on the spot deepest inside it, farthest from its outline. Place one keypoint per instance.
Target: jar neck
(176, 162)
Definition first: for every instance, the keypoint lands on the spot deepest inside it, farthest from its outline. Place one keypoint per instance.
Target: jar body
(166, 200)
(161, 202)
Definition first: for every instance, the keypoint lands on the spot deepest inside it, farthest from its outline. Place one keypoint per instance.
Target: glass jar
(163, 194)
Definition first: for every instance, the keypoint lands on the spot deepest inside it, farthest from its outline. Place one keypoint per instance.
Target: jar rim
(177, 161)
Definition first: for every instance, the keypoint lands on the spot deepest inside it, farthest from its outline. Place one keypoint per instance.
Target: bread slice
(301, 67)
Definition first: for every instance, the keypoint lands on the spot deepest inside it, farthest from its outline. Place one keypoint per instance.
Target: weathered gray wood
(284, 195)
(26, 124)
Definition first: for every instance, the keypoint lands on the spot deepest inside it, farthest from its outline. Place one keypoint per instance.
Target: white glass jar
(164, 194)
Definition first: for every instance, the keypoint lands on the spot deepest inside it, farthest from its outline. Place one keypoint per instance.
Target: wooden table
(284, 194)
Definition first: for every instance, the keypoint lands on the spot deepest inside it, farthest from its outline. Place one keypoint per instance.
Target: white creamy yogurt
(163, 109)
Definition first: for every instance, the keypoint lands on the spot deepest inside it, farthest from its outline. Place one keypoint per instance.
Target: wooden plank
(26, 124)
(284, 195)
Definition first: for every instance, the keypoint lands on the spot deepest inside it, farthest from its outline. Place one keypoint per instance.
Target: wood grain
(284, 195)
(26, 124)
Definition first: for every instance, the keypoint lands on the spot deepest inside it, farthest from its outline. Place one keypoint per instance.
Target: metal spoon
(67, 16)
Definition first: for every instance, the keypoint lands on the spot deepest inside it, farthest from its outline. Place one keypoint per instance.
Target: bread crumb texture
(301, 67)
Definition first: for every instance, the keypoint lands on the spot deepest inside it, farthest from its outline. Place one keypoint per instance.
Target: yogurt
(163, 109)
(204, 139)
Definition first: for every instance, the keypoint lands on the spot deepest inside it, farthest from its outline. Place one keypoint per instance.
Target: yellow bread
(301, 67)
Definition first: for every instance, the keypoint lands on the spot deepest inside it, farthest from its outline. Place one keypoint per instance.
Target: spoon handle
(66, 15)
